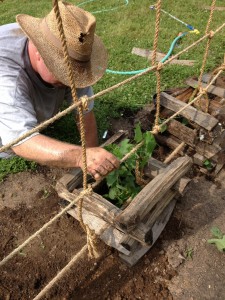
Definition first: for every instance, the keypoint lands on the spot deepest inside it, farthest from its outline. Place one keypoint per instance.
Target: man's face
(46, 75)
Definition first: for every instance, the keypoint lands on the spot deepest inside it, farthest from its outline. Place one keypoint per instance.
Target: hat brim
(85, 73)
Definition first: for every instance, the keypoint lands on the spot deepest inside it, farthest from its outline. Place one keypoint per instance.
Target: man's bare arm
(48, 151)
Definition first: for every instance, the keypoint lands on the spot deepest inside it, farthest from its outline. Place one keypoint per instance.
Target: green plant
(219, 239)
(189, 253)
(208, 164)
(15, 165)
(122, 182)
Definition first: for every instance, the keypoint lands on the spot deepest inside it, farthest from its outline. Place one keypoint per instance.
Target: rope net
(81, 105)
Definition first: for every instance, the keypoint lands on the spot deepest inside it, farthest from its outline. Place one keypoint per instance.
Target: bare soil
(180, 266)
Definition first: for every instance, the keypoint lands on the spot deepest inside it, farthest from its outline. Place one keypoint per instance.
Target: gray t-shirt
(25, 100)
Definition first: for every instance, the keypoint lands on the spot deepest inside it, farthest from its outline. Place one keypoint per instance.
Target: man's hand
(100, 162)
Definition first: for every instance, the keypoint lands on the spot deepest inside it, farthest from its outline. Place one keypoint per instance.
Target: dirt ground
(181, 265)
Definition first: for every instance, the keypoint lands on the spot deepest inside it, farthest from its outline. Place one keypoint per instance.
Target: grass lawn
(123, 25)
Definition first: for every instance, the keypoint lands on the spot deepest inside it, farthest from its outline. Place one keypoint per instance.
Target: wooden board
(218, 91)
(157, 229)
(204, 120)
(155, 190)
(159, 56)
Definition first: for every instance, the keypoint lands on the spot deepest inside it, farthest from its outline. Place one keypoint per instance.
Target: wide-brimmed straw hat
(86, 50)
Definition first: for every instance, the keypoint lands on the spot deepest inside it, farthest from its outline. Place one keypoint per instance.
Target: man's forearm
(48, 151)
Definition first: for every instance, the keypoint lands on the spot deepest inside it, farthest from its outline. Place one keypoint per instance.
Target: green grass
(129, 26)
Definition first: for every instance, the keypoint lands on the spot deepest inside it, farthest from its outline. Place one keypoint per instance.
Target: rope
(211, 34)
(61, 273)
(174, 153)
(154, 63)
(90, 235)
(19, 248)
(101, 93)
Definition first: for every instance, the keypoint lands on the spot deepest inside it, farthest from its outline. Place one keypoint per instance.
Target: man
(34, 82)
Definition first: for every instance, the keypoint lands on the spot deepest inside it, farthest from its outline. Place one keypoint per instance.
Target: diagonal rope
(46, 225)
(61, 273)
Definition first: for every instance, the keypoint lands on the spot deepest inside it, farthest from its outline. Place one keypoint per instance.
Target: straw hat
(86, 50)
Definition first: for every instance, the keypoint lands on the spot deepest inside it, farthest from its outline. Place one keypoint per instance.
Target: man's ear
(38, 56)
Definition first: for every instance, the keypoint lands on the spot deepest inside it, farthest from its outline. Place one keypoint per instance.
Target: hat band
(58, 44)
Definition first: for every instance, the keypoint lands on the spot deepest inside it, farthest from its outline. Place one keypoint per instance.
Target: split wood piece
(147, 235)
(107, 233)
(218, 91)
(184, 133)
(139, 250)
(155, 190)
(159, 56)
(102, 208)
(220, 8)
(207, 150)
(191, 113)
(169, 141)
(155, 167)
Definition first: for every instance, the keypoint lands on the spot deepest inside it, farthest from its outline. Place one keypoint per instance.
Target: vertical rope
(158, 77)
(206, 55)
(71, 74)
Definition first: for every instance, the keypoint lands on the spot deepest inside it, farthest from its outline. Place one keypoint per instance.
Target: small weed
(189, 253)
(46, 193)
(218, 240)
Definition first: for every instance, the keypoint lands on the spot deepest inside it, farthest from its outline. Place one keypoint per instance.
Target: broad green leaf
(216, 232)
(112, 178)
(220, 243)
(113, 193)
(138, 136)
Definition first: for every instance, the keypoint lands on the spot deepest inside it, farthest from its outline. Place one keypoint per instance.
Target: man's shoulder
(11, 30)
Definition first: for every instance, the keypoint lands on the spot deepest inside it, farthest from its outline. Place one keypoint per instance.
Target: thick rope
(46, 225)
(211, 34)
(174, 153)
(101, 93)
(61, 273)
(154, 63)
(90, 234)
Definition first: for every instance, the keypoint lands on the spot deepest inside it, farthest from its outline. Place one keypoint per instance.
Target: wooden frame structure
(134, 229)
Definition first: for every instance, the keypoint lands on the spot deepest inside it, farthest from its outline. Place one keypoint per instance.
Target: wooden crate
(204, 133)
(134, 229)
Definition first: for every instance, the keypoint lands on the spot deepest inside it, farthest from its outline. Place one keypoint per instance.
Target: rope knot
(84, 101)
(202, 90)
(159, 66)
(156, 129)
(211, 34)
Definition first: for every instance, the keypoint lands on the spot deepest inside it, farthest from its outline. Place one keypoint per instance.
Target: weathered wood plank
(102, 208)
(199, 117)
(159, 56)
(152, 193)
(184, 133)
(139, 250)
(168, 140)
(218, 91)
(106, 232)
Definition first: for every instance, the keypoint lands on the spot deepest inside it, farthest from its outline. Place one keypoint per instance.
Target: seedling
(189, 253)
(219, 239)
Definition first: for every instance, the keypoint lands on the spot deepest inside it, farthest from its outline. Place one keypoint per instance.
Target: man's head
(86, 50)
